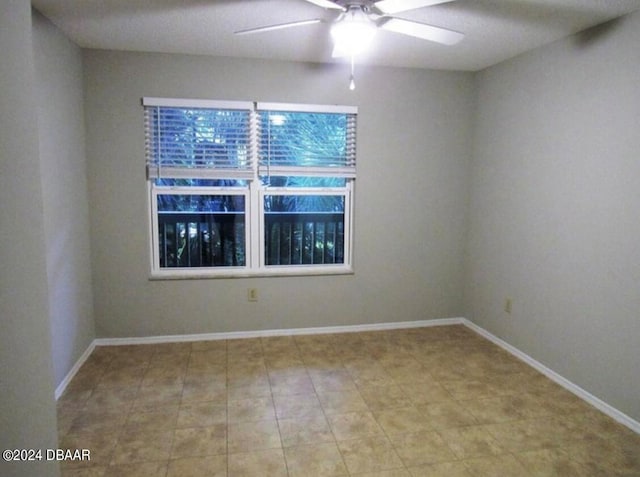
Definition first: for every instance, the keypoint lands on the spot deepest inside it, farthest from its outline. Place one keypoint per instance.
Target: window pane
(201, 230)
(304, 229)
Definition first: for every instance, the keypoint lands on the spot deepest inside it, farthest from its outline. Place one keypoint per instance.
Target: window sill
(294, 271)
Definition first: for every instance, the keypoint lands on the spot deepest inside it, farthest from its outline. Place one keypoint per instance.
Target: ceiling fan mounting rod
(365, 5)
(355, 9)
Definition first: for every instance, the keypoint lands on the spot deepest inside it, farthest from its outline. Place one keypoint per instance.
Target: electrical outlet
(252, 294)
(507, 305)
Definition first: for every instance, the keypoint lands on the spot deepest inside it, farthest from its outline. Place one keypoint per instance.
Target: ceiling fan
(354, 27)
(360, 19)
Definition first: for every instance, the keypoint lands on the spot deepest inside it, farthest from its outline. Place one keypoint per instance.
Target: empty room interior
(465, 303)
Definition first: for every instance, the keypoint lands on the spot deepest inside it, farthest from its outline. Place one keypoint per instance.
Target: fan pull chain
(352, 81)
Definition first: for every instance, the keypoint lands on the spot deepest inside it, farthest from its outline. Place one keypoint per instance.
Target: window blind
(199, 139)
(306, 140)
(203, 139)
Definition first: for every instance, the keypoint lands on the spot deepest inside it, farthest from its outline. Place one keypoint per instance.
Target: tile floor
(439, 401)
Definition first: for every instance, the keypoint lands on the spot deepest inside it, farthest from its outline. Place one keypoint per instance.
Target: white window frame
(196, 272)
(323, 269)
(254, 193)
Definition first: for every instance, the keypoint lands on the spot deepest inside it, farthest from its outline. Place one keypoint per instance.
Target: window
(243, 188)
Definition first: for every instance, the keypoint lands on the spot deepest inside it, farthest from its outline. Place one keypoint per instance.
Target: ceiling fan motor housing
(363, 4)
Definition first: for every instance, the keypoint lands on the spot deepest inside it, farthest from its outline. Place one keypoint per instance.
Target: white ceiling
(495, 29)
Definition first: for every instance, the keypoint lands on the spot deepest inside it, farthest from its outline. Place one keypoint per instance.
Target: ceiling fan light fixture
(354, 33)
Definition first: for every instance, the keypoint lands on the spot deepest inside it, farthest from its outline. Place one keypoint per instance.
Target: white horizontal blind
(306, 140)
(199, 139)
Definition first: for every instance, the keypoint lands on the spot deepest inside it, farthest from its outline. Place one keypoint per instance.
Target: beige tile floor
(439, 401)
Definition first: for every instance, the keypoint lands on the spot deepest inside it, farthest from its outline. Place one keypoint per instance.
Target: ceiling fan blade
(422, 30)
(327, 4)
(396, 6)
(277, 27)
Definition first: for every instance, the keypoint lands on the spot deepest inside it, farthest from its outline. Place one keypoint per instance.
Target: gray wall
(58, 67)
(554, 214)
(27, 407)
(411, 196)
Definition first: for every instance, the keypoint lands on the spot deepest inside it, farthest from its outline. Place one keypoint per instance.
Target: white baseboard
(562, 381)
(278, 332)
(67, 379)
(598, 403)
